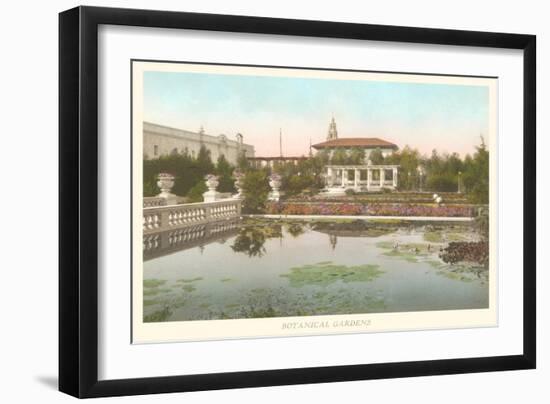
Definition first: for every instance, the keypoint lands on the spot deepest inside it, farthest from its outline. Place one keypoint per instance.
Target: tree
(224, 170)
(357, 155)
(476, 175)
(204, 161)
(323, 157)
(376, 157)
(408, 160)
(187, 170)
(339, 157)
(242, 162)
(255, 190)
(195, 193)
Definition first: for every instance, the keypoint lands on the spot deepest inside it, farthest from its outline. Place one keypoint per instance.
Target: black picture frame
(78, 200)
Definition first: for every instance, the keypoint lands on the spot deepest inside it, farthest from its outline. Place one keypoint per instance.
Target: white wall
(28, 297)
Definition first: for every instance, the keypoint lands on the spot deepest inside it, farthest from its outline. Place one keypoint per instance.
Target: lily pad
(153, 283)
(154, 291)
(189, 280)
(315, 274)
(189, 288)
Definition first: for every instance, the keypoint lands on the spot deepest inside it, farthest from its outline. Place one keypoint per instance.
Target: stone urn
(165, 182)
(239, 178)
(211, 183)
(275, 184)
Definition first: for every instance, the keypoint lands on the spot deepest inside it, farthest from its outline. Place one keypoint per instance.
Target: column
(344, 175)
(382, 177)
(369, 178)
(395, 177)
(356, 179)
(329, 177)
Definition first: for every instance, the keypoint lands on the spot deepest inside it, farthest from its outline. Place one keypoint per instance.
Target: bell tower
(332, 131)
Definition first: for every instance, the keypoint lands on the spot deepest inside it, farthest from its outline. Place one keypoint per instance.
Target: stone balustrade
(153, 201)
(162, 218)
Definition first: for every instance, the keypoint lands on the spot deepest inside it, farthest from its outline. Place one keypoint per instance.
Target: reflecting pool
(261, 268)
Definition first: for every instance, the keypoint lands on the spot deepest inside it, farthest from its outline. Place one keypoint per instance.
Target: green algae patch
(153, 283)
(154, 291)
(189, 288)
(407, 256)
(315, 274)
(436, 264)
(455, 276)
(465, 273)
(150, 302)
(385, 244)
(158, 316)
(226, 280)
(410, 252)
(434, 237)
(189, 280)
(259, 291)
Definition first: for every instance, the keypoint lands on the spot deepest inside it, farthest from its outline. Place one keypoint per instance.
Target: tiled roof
(367, 142)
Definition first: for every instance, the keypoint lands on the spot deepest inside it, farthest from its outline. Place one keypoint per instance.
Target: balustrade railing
(153, 201)
(161, 218)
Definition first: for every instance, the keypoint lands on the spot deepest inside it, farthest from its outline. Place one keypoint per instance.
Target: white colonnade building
(363, 176)
(360, 178)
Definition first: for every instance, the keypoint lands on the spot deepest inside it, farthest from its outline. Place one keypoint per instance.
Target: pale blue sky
(426, 116)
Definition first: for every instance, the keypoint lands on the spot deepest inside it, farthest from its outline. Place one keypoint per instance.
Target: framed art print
(251, 201)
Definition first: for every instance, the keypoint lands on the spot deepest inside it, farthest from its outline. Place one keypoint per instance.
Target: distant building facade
(368, 144)
(259, 162)
(159, 140)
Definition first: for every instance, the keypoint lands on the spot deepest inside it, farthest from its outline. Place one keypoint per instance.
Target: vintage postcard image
(272, 202)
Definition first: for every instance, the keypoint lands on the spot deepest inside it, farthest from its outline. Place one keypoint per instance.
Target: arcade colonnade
(360, 177)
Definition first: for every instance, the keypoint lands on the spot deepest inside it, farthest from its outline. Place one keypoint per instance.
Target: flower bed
(285, 208)
(373, 209)
(393, 197)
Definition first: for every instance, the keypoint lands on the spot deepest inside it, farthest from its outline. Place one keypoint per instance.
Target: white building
(161, 140)
(362, 176)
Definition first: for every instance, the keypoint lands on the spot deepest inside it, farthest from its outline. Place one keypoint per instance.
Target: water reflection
(251, 236)
(251, 239)
(371, 268)
(295, 229)
(168, 242)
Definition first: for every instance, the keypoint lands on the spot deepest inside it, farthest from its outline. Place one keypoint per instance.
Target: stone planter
(165, 182)
(275, 184)
(211, 183)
